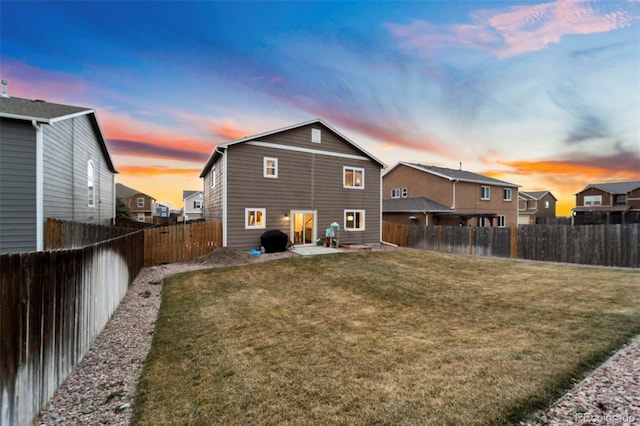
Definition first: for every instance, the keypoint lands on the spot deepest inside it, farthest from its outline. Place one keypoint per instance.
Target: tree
(122, 208)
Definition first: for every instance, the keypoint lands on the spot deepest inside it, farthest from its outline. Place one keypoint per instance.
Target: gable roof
(455, 174)
(187, 194)
(49, 113)
(536, 195)
(413, 205)
(216, 154)
(614, 187)
(123, 191)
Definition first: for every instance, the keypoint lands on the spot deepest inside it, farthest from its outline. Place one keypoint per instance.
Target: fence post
(514, 242)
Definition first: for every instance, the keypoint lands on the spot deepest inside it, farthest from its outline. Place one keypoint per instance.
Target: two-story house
(608, 203)
(536, 207)
(193, 201)
(299, 180)
(54, 163)
(442, 196)
(142, 206)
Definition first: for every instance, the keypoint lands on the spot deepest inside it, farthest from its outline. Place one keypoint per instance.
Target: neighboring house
(299, 180)
(429, 195)
(608, 203)
(193, 203)
(54, 163)
(143, 206)
(163, 210)
(536, 207)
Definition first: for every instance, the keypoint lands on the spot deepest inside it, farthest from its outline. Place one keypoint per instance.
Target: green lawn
(401, 337)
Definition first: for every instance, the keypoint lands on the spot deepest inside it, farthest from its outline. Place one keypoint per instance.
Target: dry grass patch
(406, 337)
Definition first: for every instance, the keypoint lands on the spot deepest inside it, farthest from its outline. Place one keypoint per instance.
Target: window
(213, 177)
(353, 177)
(483, 221)
(593, 200)
(140, 202)
(316, 136)
(546, 204)
(485, 193)
(255, 218)
(270, 169)
(91, 196)
(354, 220)
(197, 204)
(506, 194)
(621, 199)
(140, 217)
(405, 192)
(501, 221)
(395, 193)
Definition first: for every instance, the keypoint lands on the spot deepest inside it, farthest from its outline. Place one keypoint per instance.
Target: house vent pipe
(4, 89)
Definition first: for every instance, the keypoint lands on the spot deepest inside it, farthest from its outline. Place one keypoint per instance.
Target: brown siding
(633, 199)
(606, 197)
(306, 181)
(440, 190)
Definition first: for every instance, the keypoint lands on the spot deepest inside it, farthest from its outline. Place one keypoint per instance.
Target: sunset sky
(545, 95)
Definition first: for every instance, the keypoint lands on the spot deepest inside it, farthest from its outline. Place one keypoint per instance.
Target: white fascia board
(68, 116)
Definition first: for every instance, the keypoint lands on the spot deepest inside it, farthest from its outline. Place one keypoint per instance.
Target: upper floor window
(270, 169)
(395, 193)
(197, 204)
(593, 200)
(485, 193)
(507, 194)
(354, 220)
(353, 177)
(140, 202)
(91, 196)
(621, 199)
(213, 177)
(405, 192)
(546, 204)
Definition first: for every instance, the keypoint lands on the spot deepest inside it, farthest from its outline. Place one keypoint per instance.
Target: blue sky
(542, 94)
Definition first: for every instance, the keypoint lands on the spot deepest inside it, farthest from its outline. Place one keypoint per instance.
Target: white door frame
(315, 225)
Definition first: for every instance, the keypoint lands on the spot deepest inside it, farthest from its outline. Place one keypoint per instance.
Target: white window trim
(593, 200)
(316, 135)
(395, 193)
(213, 176)
(138, 202)
(482, 197)
(504, 191)
(265, 161)
(353, 169)
(405, 192)
(502, 220)
(362, 220)
(141, 217)
(91, 187)
(247, 211)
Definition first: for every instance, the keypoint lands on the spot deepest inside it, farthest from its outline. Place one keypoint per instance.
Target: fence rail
(607, 245)
(54, 304)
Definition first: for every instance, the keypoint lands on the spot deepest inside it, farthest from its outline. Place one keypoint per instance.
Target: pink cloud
(519, 29)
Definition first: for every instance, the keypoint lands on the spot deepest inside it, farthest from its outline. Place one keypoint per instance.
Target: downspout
(381, 206)
(39, 186)
(224, 196)
(453, 206)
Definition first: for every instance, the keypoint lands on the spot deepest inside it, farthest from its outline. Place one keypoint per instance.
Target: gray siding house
(299, 180)
(54, 163)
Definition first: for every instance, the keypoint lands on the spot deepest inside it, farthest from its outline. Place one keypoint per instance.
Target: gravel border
(102, 388)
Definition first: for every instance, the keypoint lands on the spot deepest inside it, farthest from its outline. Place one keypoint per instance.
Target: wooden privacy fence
(54, 304)
(180, 243)
(607, 245)
(65, 234)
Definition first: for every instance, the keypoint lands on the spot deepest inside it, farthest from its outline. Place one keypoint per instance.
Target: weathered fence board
(61, 234)
(54, 304)
(608, 245)
(180, 243)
